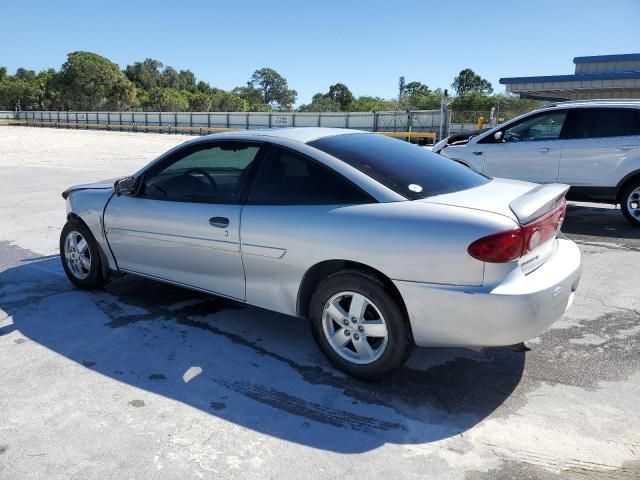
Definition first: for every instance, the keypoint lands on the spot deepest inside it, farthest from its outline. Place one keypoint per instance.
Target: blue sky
(364, 44)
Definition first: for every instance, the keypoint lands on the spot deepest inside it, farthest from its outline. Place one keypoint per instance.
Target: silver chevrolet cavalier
(381, 244)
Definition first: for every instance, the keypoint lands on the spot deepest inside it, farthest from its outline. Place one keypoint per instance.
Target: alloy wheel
(77, 255)
(633, 204)
(354, 327)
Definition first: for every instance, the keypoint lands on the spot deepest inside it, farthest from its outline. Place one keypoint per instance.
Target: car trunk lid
(538, 211)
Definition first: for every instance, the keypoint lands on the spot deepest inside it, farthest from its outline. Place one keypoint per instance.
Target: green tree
(222, 101)
(321, 103)
(203, 87)
(339, 98)
(168, 100)
(146, 75)
(419, 96)
(372, 104)
(413, 89)
(170, 78)
(252, 97)
(341, 94)
(142, 101)
(47, 85)
(123, 95)
(187, 80)
(472, 101)
(200, 102)
(14, 94)
(91, 82)
(29, 91)
(468, 81)
(272, 89)
(26, 75)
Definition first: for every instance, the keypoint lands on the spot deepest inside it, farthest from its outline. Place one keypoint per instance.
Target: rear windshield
(411, 171)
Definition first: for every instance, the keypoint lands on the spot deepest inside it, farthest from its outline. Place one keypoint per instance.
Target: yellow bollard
(480, 123)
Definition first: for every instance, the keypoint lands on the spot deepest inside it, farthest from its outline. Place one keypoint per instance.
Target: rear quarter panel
(629, 166)
(410, 241)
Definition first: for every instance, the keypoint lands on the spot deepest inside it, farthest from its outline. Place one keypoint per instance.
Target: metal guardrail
(422, 121)
(420, 137)
(193, 130)
(119, 127)
(407, 124)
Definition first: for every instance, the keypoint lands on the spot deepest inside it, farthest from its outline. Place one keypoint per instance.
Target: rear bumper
(516, 310)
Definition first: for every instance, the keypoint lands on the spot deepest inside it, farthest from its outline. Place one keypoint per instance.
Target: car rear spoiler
(538, 201)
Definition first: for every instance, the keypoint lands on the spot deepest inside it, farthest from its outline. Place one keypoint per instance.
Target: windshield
(409, 170)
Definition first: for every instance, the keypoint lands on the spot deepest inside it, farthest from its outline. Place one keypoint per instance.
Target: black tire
(625, 195)
(399, 343)
(94, 278)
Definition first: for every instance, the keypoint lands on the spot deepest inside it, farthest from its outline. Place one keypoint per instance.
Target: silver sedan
(381, 244)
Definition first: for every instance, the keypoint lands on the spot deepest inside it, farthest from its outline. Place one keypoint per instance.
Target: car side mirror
(125, 186)
(498, 136)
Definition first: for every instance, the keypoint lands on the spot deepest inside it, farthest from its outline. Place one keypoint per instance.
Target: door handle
(626, 147)
(477, 153)
(544, 150)
(220, 222)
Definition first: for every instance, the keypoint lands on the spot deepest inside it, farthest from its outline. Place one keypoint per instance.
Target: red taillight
(499, 247)
(513, 244)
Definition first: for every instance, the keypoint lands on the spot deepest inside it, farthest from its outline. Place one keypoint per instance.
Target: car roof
(298, 134)
(618, 102)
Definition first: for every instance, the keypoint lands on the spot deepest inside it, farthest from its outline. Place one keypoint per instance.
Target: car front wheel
(80, 255)
(630, 203)
(359, 326)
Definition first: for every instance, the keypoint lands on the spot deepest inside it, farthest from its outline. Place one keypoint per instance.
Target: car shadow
(256, 368)
(594, 222)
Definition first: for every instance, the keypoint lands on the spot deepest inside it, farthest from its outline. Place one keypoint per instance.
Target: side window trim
(187, 150)
(490, 138)
(192, 148)
(265, 150)
(543, 114)
(272, 149)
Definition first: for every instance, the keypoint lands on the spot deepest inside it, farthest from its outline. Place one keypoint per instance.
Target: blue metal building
(601, 76)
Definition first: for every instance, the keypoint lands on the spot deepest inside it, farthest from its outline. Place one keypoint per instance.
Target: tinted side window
(212, 173)
(287, 178)
(603, 122)
(407, 169)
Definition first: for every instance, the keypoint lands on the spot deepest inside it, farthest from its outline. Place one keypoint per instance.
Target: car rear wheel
(80, 255)
(630, 202)
(359, 326)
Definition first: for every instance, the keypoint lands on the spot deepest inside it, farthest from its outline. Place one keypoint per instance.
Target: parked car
(594, 146)
(380, 243)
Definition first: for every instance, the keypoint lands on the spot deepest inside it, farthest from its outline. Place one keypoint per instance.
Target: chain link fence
(459, 121)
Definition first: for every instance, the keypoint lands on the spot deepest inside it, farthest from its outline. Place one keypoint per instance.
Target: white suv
(594, 146)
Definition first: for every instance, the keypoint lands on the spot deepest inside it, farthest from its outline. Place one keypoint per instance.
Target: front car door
(528, 150)
(183, 224)
(598, 141)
